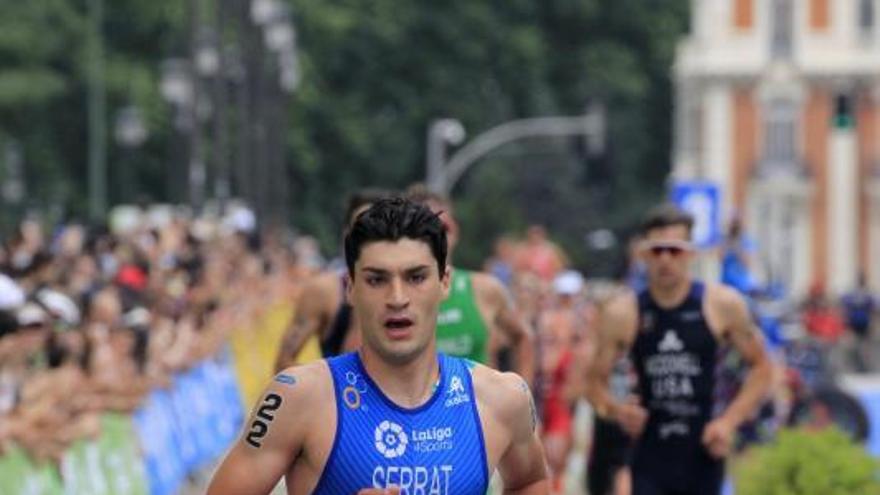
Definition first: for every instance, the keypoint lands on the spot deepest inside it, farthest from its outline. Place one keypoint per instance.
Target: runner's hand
(379, 491)
(718, 438)
(631, 416)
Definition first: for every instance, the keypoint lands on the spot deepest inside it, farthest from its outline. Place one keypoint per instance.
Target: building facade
(778, 102)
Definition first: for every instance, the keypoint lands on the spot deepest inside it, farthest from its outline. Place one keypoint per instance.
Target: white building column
(705, 15)
(874, 233)
(686, 141)
(873, 189)
(800, 199)
(842, 210)
(717, 137)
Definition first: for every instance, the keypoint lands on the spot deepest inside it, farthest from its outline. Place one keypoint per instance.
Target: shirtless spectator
(50, 408)
(503, 263)
(561, 330)
(542, 256)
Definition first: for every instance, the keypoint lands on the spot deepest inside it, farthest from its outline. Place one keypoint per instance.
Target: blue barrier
(189, 426)
(866, 388)
(154, 424)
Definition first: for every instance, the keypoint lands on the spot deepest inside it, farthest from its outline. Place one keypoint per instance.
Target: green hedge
(804, 462)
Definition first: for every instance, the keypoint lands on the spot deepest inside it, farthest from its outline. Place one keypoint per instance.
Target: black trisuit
(674, 354)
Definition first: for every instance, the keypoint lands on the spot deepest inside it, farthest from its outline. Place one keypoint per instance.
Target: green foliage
(374, 75)
(29, 86)
(43, 73)
(808, 463)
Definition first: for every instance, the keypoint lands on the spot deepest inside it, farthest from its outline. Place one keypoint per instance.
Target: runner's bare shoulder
(321, 293)
(501, 393)
(722, 306)
(491, 292)
(619, 314)
(487, 285)
(291, 400)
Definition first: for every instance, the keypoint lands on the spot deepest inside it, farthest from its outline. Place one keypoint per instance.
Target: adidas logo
(670, 342)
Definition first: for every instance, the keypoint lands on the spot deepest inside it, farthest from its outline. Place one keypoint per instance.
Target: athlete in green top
(461, 330)
(478, 312)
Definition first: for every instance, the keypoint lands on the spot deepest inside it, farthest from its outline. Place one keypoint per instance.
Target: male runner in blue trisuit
(395, 413)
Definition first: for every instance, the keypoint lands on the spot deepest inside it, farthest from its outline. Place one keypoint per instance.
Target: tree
(374, 74)
(43, 88)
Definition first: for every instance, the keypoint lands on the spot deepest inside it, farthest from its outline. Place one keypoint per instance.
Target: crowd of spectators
(93, 318)
(847, 320)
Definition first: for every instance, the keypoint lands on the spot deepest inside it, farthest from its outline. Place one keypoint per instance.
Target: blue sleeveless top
(434, 449)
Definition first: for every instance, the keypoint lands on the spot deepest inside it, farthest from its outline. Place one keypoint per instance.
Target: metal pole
(247, 154)
(221, 115)
(96, 114)
(126, 175)
(435, 179)
(257, 73)
(440, 133)
(276, 172)
(485, 143)
(197, 171)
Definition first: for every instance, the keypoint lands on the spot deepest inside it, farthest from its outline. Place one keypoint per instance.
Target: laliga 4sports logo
(391, 440)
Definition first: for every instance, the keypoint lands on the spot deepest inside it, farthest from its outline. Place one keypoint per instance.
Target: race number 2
(265, 415)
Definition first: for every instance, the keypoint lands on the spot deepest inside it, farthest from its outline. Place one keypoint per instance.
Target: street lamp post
(442, 174)
(440, 133)
(262, 11)
(204, 61)
(873, 190)
(183, 85)
(96, 118)
(270, 43)
(236, 75)
(130, 132)
(176, 87)
(175, 84)
(13, 190)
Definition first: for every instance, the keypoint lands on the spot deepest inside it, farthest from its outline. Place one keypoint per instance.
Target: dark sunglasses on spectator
(674, 249)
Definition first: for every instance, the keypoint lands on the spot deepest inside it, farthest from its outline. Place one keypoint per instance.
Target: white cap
(11, 295)
(31, 314)
(240, 218)
(568, 283)
(138, 316)
(60, 305)
(125, 219)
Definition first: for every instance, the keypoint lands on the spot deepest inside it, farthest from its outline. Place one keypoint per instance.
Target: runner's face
(396, 293)
(667, 253)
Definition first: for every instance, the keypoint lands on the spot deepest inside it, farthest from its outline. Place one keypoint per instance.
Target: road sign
(703, 201)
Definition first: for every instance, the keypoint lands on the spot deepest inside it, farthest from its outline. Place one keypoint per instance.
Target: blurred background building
(777, 102)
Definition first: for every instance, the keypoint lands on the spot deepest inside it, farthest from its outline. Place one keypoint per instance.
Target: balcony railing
(795, 168)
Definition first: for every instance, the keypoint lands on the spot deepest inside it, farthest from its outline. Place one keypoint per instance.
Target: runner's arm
(614, 320)
(522, 467)
(306, 321)
(745, 337)
(583, 353)
(511, 323)
(272, 439)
